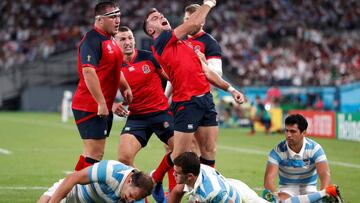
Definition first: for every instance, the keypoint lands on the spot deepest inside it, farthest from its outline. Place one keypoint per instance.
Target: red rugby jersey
(142, 75)
(182, 65)
(98, 50)
(206, 44)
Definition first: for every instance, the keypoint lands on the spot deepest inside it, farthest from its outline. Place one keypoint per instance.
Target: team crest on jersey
(109, 49)
(306, 162)
(166, 124)
(146, 69)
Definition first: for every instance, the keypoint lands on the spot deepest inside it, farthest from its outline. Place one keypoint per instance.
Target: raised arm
(195, 21)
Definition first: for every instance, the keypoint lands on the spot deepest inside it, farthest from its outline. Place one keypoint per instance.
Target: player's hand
(102, 110)
(128, 97)
(201, 56)
(210, 3)
(120, 110)
(238, 96)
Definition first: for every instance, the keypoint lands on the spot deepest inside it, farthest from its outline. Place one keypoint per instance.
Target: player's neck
(129, 57)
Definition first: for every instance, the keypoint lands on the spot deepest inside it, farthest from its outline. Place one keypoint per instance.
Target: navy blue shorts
(199, 111)
(92, 126)
(143, 126)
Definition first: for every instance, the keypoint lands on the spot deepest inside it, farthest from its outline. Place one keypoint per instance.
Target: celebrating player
(149, 110)
(192, 102)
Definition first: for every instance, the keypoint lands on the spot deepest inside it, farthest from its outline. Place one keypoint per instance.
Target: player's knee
(209, 148)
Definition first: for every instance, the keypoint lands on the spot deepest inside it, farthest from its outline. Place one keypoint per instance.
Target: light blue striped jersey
(106, 181)
(297, 168)
(212, 187)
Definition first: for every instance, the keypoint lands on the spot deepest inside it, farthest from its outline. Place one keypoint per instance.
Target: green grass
(43, 148)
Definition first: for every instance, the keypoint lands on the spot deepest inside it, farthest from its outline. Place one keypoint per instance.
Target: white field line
(23, 188)
(5, 151)
(259, 152)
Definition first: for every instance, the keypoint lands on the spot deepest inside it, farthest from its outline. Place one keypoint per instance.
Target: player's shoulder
(311, 144)
(206, 37)
(93, 38)
(281, 147)
(145, 54)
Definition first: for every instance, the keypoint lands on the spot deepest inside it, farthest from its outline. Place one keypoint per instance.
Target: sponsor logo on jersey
(105, 132)
(166, 124)
(127, 128)
(190, 126)
(88, 58)
(146, 69)
(131, 68)
(109, 49)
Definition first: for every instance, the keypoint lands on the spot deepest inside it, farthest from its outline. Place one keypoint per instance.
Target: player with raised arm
(192, 102)
(149, 111)
(99, 62)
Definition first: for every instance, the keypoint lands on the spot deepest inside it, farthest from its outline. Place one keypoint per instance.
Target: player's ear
(151, 31)
(304, 132)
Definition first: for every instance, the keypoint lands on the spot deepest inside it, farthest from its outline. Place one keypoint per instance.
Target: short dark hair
(152, 10)
(189, 163)
(141, 180)
(297, 119)
(192, 8)
(124, 29)
(101, 7)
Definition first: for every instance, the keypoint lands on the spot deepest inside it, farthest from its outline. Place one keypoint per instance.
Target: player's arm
(323, 171)
(176, 194)
(196, 20)
(215, 64)
(168, 89)
(93, 84)
(125, 89)
(218, 82)
(271, 173)
(78, 177)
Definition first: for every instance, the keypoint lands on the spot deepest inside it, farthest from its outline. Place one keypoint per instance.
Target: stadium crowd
(264, 42)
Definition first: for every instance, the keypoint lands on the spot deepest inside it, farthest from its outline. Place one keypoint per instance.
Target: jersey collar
(301, 153)
(102, 32)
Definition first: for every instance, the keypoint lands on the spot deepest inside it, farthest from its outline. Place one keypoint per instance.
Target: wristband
(230, 89)
(209, 3)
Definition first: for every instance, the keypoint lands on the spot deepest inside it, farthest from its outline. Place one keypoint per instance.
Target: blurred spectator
(261, 115)
(278, 42)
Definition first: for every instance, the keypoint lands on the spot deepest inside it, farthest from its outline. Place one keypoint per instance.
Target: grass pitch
(36, 150)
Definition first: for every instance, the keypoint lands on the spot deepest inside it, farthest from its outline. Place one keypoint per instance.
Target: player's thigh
(92, 126)
(206, 137)
(163, 126)
(129, 146)
(246, 193)
(182, 142)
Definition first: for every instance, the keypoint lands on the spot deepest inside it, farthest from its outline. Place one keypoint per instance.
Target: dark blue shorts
(143, 126)
(199, 111)
(92, 126)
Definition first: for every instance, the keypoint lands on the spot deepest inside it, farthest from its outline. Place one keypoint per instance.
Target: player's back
(108, 178)
(213, 187)
(182, 65)
(142, 75)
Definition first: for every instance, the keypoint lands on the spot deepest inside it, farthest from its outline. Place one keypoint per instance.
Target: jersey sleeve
(274, 157)
(90, 53)
(165, 38)
(98, 172)
(319, 154)
(212, 49)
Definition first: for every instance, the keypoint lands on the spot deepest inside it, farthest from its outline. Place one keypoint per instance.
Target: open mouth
(164, 23)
